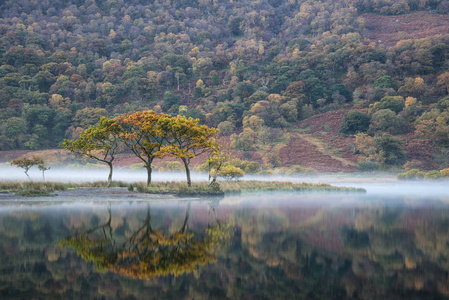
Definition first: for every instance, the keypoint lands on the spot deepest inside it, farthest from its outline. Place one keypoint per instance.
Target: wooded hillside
(254, 69)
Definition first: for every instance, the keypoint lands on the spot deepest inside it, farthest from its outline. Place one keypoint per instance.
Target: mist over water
(375, 184)
(77, 175)
(392, 239)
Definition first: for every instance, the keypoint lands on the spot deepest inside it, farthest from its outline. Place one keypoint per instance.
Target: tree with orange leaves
(186, 139)
(144, 136)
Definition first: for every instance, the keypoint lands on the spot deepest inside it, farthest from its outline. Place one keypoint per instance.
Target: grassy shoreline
(44, 189)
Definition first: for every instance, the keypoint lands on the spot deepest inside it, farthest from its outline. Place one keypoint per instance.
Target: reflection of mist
(415, 189)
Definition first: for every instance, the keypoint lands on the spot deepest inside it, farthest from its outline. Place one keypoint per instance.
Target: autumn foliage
(148, 135)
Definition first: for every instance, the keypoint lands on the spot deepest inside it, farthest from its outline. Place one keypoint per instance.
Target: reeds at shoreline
(34, 189)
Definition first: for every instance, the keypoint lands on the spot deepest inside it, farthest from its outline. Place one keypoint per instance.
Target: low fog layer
(375, 184)
(91, 174)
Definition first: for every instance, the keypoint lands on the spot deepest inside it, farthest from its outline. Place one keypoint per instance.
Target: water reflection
(284, 246)
(148, 252)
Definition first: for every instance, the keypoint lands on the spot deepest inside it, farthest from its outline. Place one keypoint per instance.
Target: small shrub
(230, 172)
(414, 164)
(141, 187)
(368, 165)
(297, 170)
(131, 187)
(434, 174)
(246, 165)
(267, 172)
(413, 174)
(202, 168)
(444, 172)
(171, 166)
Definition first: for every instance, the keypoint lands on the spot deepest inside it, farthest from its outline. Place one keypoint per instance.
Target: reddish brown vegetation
(388, 30)
(323, 127)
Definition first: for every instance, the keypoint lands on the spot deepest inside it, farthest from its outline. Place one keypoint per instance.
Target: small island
(173, 188)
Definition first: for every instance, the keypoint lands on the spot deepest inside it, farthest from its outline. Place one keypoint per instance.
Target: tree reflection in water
(149, 252)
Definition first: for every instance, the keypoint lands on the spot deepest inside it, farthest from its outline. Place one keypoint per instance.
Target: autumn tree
(383, 150)
(186, 139)
(100, 142)
(42, 167)
(27, 163)
(144, 135)
(218, 156)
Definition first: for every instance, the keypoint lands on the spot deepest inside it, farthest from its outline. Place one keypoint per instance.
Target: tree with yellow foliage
(100, 142)
(144, 135)
(186, 139)
(27, 163)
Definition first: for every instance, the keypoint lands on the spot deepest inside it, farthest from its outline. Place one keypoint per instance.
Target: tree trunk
(110, 174)
(186, 165)
(149, 169)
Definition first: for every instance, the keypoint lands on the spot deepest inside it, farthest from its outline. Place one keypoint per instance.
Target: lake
(390, 243)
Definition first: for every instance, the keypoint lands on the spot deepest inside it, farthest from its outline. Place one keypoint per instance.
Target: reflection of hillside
(148, 252)
(363, 253)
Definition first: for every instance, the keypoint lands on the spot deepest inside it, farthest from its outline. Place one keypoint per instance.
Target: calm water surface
(392, 243)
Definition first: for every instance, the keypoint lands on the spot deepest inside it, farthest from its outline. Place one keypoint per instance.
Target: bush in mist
(298, 170)
(413, 174)
(434, 174)
(445, 172)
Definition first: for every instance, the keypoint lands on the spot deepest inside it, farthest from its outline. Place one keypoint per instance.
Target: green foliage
(171, 166)
(367, 165)
(247, 166)
(342, 90)
(434, 125)
(244, 141)
(26, 163)
(100, 142)
(314, 57)
(413, 174)
(170, 100)
(230, 172)
(382, 150)
(244, 90)
(434, 174)
(355, 122)
(416, 174)
(391, 149)
(386, 121)
(385, 82)
(226, 127)
(33, 189)
(298, 170)
(15, 126)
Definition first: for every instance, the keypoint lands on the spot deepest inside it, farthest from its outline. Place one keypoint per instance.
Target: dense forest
(253, 69)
